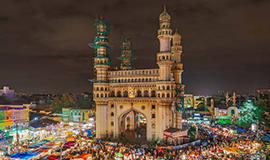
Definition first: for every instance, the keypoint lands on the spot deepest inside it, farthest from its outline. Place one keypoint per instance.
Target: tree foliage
(250, 114)
(265, 110)
(4, 100)
(64, 101)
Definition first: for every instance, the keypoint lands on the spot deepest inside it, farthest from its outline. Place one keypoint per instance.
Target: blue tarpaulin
(241, 130)
(24, 155)
(89, 132)
(98, 140)
(39, 143)
(266, 138)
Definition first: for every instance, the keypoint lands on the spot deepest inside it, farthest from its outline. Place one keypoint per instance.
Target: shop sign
(167, 133)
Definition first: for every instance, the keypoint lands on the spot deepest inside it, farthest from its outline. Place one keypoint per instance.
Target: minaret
(166, 96)
(227, 99)
(101, 65)
(102, 50)
(164, 56)
(234, 99)
(126, 54)
(177, 67)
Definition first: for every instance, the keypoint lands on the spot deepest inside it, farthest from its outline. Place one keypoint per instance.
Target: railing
(134, 72)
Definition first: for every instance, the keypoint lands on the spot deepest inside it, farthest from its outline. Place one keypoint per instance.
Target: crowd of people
(216, 143)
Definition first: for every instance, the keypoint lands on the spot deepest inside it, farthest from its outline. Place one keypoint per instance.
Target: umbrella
(231, 150)
(119, 154)
(127, 154)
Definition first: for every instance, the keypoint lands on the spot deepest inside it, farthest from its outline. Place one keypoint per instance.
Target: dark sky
(44, 43)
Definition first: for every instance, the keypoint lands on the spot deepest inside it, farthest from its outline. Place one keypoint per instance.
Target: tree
(56, 102)
(250, 114)
(265, 110)
(191, 131)
(3, 99)
(65, 101)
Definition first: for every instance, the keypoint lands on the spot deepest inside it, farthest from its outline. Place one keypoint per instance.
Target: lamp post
(61, 149)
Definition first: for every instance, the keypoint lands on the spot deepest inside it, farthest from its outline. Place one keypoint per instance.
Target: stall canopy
(266, 138)
(241, 130)
(24, 155)
(83, 156)
(89, 132)
(69, 144)
(39, 143)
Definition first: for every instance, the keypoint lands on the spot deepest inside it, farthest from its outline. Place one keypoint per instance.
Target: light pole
(61, 149)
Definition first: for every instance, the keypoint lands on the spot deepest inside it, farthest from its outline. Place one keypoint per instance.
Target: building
(76, 115)
(14, 116)
(226, 115)
(125, 94)
(8, 93)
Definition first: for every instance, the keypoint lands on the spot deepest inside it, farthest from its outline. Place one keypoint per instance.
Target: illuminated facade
(128, 96)
(76, 115)
(12, 116)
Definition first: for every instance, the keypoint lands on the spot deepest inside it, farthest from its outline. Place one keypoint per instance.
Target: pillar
(101, 119)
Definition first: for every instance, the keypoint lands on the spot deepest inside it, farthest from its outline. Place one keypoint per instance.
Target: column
(101, 119)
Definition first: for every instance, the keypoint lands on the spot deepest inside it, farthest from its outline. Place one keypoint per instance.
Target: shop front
(174, 136)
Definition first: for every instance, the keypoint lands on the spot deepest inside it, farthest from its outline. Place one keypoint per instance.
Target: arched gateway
(132, 124)
(126, 97)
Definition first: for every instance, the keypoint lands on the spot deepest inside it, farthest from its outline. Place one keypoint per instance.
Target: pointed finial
(101, 17)
(176, 30)
(164, 7)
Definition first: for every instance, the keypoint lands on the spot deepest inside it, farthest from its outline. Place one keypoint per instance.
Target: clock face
(131, 92)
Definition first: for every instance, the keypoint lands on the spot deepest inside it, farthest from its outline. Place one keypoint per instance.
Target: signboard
(175, 134)
(2, 116)
(223, 113)
(197, 114)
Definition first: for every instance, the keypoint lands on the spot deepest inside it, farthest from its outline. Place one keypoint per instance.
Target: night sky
(44, 43)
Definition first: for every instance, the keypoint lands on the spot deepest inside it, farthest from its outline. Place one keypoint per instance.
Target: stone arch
(112, 94)
(125, 93)
(168, 95)
(139, 93)
(124, 114)
(153, 126)
(231, 109)
(153, 93)
(146, 93)
(163, 95)
(119, 94)
(168, 87)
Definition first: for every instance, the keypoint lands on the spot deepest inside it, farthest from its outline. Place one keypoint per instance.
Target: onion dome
(176, 34)
(164, 15)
